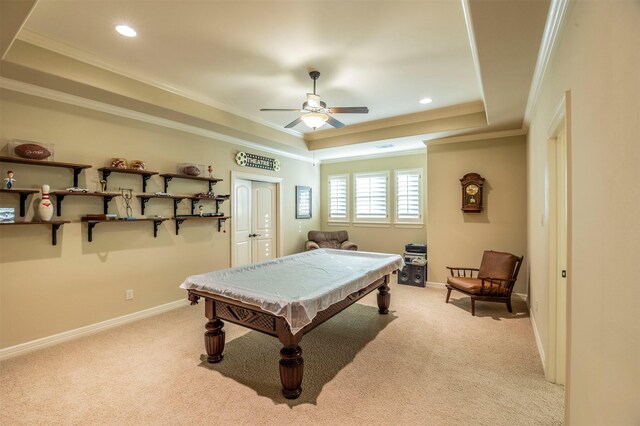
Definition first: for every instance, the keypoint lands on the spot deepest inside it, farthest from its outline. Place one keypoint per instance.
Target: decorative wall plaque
(257, 161)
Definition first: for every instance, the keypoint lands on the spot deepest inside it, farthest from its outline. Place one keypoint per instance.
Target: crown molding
(476, 137)
(400, 120)
(474, 49)
(54, 95)
(93, 60)
(553, 28)
(372, 156)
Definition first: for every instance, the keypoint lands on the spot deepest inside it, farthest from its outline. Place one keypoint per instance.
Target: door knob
(254, 235)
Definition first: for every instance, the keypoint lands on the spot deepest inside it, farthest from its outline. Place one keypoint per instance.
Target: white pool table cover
(297, 287)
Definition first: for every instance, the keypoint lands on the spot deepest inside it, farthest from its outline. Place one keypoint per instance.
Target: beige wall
(459, 239)
(387, 239)
(49, 289)
(598, 60)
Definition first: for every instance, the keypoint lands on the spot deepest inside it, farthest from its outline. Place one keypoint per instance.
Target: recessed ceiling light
(426, 100)
(126, 30)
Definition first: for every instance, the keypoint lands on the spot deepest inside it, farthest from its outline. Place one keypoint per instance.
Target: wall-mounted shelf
(77, 168)
(106, 198)
(93, 222)
(55, 224)
(195, 200)
(176, 200)
(180, 219)
(168, 176)
(24, 193)
(106, 172)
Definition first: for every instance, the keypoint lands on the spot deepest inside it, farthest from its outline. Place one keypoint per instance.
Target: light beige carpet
(426, 363)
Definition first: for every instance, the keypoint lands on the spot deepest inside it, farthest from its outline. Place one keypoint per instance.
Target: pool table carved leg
(384, 298)
(214, 340)
(291, 370)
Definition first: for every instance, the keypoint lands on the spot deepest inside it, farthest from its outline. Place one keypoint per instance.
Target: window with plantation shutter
(371, 195)
(409, 195)
(338, 198)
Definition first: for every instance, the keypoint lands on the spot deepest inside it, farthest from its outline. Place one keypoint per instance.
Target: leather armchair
(493, 282)
(334, 240)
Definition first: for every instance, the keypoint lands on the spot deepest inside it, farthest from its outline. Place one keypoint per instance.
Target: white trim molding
(474, 49)
(538, 341)
(65, 336)
(552, 29)
(476, 137)
(347, 158)
(54, 95)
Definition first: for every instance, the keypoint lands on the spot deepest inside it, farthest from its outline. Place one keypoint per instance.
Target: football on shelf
(191, 171)
(32, 151)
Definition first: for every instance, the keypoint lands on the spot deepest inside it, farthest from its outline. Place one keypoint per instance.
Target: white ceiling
(241, 56)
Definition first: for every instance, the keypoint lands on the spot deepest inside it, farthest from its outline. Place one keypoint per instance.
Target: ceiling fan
(316, 112)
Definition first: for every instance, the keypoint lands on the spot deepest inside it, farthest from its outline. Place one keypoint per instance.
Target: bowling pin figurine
(45, 209)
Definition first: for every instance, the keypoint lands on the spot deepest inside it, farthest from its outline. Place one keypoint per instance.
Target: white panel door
(263, 221)
(255, 221)
(242, 222)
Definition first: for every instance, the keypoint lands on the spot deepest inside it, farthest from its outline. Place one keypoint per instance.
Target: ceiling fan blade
(280, 109)
(343, 110)
(335, 123)
(294, 123)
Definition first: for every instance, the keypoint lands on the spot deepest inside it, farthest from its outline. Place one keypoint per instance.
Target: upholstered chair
(493, 282)
(334, 240)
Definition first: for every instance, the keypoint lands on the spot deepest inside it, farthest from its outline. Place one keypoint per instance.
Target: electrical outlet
(536, 304)
(129, 294)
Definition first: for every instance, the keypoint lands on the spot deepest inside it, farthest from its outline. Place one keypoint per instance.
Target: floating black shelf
(93, 222)
(180, 219)
(77, 168)
(106, 172)
(106, 198)
(24, 193)
(55, 225)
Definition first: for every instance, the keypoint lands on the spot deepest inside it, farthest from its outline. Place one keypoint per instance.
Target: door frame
(560, 121)
(278, 220)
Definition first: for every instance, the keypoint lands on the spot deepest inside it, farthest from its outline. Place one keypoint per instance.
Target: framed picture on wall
(303, 202)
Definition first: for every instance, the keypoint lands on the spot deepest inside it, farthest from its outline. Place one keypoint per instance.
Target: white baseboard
(65, 336)
(522, 296)
(434, 284)
(538, 342)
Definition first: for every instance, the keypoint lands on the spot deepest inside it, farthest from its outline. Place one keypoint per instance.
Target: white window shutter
(371, 196)
(338, 197)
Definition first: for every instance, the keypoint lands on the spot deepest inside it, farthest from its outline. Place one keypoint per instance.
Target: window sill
(338, 223)
(372, 224)
(408, 225)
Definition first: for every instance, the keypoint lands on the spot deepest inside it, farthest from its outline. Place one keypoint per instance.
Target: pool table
(236, 300)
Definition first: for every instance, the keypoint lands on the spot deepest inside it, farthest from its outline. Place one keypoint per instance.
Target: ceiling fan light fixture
(314, 120)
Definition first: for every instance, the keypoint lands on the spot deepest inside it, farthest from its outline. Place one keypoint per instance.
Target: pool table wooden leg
(214, 340)
(291, 371)
(384, 298)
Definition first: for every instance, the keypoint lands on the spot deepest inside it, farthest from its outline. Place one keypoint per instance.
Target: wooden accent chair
(334, 240)
(493, 282)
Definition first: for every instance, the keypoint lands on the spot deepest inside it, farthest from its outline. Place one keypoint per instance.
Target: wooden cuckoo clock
(472, 192)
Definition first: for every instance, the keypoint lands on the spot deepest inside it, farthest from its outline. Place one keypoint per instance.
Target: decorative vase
(45, 209)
